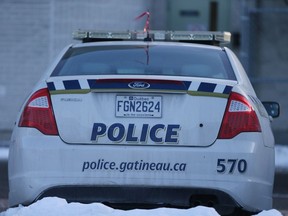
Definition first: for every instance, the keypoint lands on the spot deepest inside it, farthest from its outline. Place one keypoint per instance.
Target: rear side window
(145, 60)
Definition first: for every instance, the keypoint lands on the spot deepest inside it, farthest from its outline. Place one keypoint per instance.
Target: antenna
(147, 24)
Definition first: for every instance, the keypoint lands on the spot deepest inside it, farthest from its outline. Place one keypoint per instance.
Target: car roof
(145, 43)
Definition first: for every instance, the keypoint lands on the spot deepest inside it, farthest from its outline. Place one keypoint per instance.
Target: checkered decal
(101, 85)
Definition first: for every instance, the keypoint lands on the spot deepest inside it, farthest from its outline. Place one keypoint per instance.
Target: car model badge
(139, 85)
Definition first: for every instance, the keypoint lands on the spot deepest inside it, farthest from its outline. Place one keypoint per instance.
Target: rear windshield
(145, 60)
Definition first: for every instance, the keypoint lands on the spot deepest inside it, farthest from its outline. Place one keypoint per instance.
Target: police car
(144, 119)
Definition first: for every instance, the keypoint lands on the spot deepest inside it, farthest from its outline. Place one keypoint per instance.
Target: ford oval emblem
(139, 85)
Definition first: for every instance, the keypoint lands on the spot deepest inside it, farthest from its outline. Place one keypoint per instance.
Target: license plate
(139, 106)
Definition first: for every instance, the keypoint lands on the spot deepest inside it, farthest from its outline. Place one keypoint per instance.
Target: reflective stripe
(169, 86)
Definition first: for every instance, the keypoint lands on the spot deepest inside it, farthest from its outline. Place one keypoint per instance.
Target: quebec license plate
(139, 106)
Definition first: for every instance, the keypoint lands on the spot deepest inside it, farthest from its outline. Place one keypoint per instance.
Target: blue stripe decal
(207, 87)
(165, 85)
(227, 90)
(154, 84)
(187, 84)
(96, 84)
(168, 86)
(71, 84)
(51, 86)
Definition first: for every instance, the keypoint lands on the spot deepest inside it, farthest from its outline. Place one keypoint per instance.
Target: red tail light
(239, 117)
(38, 113)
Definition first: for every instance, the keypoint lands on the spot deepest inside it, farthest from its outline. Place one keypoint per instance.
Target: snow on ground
(53, 206)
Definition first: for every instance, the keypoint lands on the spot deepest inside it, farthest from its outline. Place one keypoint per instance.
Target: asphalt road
(280, 196)
(3, 185)
(3, 180)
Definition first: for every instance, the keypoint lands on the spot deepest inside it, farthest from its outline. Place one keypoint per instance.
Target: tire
(240, 212)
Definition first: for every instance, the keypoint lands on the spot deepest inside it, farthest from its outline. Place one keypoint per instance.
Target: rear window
(145, 60)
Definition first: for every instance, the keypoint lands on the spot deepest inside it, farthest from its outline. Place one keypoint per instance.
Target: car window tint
(168, 60)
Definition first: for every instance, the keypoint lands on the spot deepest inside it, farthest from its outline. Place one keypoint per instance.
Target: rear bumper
(139, 197)
(143, 174)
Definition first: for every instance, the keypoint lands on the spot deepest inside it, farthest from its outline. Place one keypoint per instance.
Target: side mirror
(272, 108)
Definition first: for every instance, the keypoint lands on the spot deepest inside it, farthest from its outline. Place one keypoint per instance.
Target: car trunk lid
(160, 110)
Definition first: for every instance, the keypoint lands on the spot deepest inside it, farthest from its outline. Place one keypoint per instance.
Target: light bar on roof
(109, 35)
(223, 36)
(79, 35)
(201, 37)
(140, 35)
(193, 36)
(160, 35)
(187, 36)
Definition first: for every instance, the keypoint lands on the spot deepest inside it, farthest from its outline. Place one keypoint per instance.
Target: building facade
(33, 32)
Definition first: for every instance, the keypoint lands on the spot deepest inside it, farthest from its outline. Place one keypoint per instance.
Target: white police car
(137, 119)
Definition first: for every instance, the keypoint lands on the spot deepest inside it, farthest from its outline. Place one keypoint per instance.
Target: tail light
(239, 117)
(38, 113)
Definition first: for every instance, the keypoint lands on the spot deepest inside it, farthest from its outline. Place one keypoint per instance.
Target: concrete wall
(269, 58)
(195, 14)
(32, 32)
(262, 25)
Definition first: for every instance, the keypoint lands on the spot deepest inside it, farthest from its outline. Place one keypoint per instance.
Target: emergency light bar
(183, 36)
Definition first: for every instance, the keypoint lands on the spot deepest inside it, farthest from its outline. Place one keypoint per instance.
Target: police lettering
(117, 133)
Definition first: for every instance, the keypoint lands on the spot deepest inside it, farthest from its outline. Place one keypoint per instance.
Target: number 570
(231, 165)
